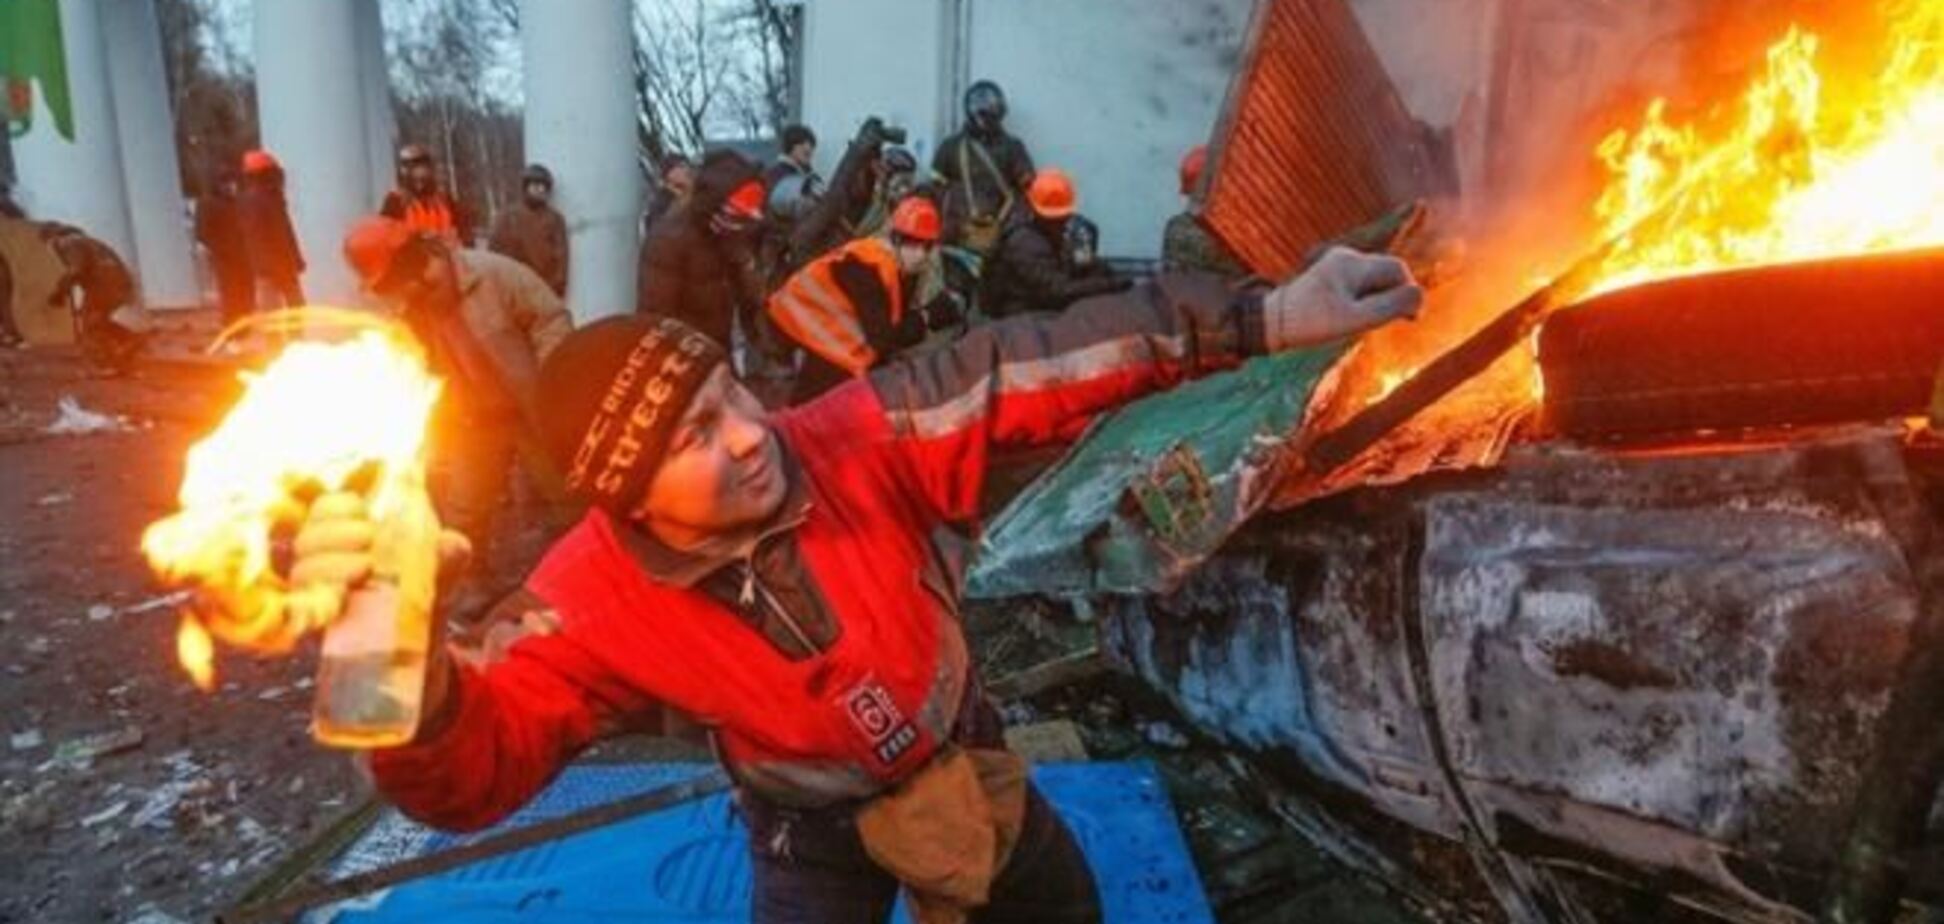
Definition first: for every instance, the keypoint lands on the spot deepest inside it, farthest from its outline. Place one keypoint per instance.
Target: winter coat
(220, 228)
(274, 252)
(830, 662)
(1029, 272)
(689, 272)
(537, 237)
(508, 321)
(1187, 247)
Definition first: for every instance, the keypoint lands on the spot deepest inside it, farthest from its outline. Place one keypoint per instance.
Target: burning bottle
(371, 672)
(321, 415)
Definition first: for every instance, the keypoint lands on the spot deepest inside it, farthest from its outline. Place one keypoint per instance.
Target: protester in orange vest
(421, 204)
(850, 309)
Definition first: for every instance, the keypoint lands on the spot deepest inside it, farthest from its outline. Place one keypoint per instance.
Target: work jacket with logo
(828, 661)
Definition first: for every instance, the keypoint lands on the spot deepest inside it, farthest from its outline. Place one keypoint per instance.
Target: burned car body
(1660, 672)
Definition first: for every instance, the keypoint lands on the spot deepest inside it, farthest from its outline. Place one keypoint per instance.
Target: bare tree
(768, 32)
(211, 91)
(443, 53)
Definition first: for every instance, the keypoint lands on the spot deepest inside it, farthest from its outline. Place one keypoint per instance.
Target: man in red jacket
(790, 582)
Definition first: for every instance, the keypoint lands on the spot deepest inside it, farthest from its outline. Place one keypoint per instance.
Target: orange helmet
(747, 199)
(1191, 168)
(916, 218)
(372, 244)
(258, 160)
(1052, 194)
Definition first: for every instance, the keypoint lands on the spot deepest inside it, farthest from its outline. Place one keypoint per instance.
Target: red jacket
(852, 675)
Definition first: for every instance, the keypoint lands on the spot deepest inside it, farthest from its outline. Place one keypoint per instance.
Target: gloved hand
(333, 555)
(1343, 293)
(947, 310)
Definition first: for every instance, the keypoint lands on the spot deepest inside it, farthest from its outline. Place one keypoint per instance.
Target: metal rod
(287, 907)
(1454, 367)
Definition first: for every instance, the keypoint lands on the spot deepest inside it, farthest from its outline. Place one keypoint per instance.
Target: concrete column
(381, 123)
(310, 105)
(580, 122)
(79, 181)
(157, 212)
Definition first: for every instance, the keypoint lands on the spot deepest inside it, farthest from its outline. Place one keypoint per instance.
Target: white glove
(1343, 293)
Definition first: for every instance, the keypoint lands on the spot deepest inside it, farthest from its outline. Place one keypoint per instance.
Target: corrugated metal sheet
(1313, 140)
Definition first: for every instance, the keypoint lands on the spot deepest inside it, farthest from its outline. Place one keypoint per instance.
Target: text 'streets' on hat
(614, 392)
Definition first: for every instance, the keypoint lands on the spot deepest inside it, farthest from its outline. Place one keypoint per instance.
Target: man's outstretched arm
(1040, 379)
(496, 734)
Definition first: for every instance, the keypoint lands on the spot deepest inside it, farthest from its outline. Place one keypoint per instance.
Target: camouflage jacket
(1186, 246)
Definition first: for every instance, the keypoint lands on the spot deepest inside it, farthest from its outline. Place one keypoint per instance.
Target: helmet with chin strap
(985, 106)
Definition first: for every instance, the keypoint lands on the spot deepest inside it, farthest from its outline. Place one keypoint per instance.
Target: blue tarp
(690, 864)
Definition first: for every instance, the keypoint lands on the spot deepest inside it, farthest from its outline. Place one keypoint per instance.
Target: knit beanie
(610, 396)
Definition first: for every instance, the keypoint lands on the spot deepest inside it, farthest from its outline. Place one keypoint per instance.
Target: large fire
(320, 416)
(1810, 162)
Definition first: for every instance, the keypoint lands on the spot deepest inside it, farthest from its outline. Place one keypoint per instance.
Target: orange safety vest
(432, 214)
(815, 312)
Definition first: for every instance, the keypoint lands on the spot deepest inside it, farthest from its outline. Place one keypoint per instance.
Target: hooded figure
(698, 261)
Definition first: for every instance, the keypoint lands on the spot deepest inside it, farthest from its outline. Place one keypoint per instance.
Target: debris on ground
(83, 752)
(1048, 742)
(108, 814)
(152, 916)
(75, 420)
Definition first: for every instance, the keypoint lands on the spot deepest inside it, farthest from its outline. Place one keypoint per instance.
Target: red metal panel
(1313, 140)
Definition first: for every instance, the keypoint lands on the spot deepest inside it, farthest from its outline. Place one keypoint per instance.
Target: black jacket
(220, 227)
(961, 169)
(1029, 272)
(690, 273)
(274, 253)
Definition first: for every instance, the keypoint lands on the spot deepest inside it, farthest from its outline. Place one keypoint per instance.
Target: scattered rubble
(108, 814)
(152, 916)
(83, 752)
(75, 420)
(25, 740)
